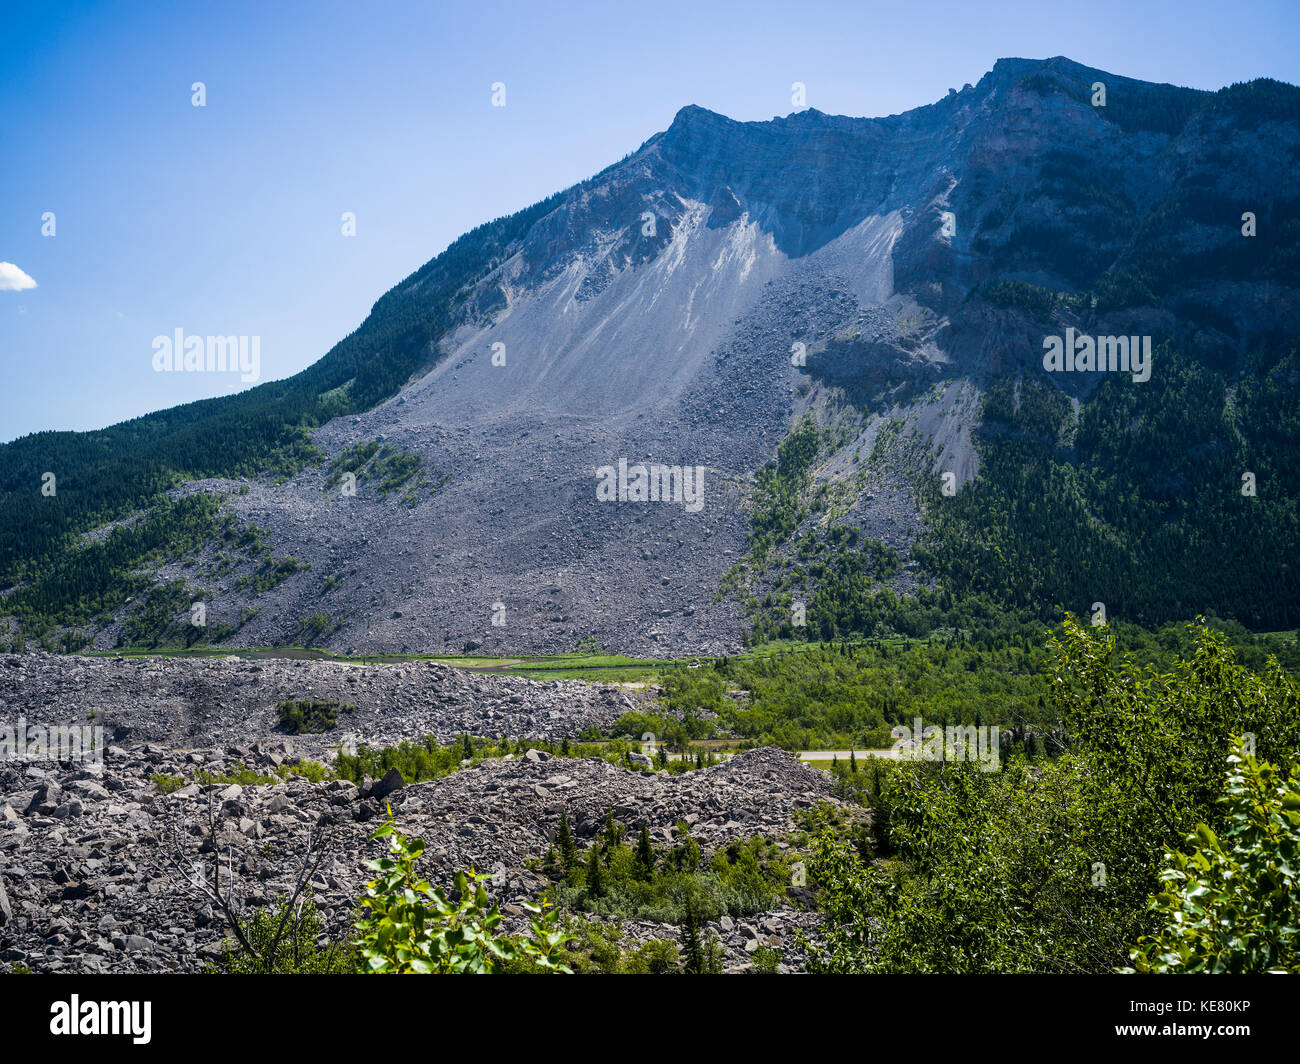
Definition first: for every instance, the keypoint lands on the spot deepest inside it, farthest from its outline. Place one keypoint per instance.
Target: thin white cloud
(12, 279)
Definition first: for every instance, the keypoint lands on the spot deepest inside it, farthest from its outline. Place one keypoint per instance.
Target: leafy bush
(287, 941)
(166, 782)
(413, 928)
(1048, 867)
(428, 759)
(597, 948)
(312, 771)
(1232, 903)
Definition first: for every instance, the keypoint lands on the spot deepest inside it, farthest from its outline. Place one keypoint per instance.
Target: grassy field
(607, 668)
(602, 667)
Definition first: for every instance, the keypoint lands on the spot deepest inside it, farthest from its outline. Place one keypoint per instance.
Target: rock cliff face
(651, 314)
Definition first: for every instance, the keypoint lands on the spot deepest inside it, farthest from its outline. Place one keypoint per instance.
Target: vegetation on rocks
(668, 884)
(311, 716)
(1048, 864)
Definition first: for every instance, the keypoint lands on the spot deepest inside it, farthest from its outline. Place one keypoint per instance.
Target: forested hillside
(1138, 502)
(1161, 499)
(108, 475)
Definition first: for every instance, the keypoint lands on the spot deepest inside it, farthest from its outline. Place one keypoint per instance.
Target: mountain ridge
(641, 338)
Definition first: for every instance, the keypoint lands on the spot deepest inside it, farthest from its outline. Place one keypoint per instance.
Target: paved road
(843, 755)
(805, 755)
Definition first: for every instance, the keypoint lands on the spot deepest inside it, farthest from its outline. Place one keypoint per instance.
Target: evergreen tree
(467, 749)
(645, 853)
(853, 761)
(564, 748)
(693, 961)
(568, 847)
(712, 955)
(879, 809)
(613, 831)
(595, 873)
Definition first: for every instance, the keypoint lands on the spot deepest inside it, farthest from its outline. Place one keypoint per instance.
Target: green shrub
(597, 948)
(414, 928)
(241, 774)
(310, 717)
(287, 940)
(1048, 866)
(614, 879)
(312, 771)
(1232, 902)
(428, 759)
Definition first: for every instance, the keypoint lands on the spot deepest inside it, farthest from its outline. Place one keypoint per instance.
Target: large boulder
(391, 782)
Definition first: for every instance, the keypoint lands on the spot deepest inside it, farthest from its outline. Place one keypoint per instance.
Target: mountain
(840, 321)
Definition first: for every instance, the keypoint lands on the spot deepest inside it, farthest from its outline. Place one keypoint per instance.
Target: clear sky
(225, 219)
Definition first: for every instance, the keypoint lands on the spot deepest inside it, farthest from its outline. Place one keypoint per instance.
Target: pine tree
(691, 855)
(711, 955)
(853, 762)
(466, 749)
(595, 874)
(879, 809)
(564, 748)
(568, 847)
(613, 831)
(645, 853)
(692, 951)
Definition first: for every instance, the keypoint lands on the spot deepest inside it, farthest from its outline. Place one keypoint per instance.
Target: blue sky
(225, 219)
